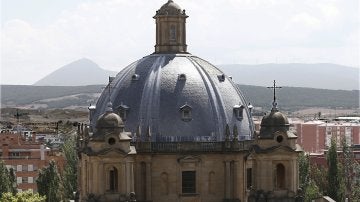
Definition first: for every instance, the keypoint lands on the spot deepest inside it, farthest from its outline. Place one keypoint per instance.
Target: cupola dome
(174, 95)
(170, 8)
(109, 120)
(275, 119)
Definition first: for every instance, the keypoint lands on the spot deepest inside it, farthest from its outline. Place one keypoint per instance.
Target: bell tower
(170, 29)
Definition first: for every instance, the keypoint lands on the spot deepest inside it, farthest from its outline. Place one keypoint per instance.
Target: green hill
(293, 98)
(289, 98)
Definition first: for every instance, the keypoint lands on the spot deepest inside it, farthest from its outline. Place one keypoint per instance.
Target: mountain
(78, 73)
(321, 75)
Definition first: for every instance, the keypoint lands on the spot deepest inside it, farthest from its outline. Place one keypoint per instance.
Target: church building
(173, 127)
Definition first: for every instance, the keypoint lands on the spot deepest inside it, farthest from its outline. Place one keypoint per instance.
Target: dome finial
(274, 104)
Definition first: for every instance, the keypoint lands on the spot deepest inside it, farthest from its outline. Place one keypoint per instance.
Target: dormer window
(221, 77)
(181, 77)
(123, 111)
(186, 113)
(238, 112)
(172, 33)
(135, 77)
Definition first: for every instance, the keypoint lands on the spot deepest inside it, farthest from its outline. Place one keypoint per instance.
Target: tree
(22, 197)
(351, 169)
(312, 191)
(49, 183)
(304, 168)
(12, 178)
(334, 179)
(5, 183)
(70, 170)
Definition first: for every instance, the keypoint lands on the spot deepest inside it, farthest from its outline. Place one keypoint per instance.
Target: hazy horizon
(40, 36)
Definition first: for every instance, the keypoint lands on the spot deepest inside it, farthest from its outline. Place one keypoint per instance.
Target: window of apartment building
(14, 154)
(188, 182)
(30, 180)
(24, 180)
(19, 168)
(19, 180)
(24, 167)
(30, 167)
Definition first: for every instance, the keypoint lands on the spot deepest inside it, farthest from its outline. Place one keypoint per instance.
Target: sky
(40, 36)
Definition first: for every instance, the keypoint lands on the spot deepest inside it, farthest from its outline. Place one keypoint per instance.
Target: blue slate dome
(180, 97)
(172, 95)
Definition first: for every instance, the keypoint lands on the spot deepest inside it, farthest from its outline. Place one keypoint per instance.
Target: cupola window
(172, 33)
(182, 77)
(238, 112)
(123, 111)
(186, 113)
(221, 77)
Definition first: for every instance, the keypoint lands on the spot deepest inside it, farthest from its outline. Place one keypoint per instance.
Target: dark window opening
(113, 179)
(221, 77)
(135, 77)
(279, 139)
(123, 111)
(280, 176)
(248, 178)
(143, 181)
(186, 114)
(238, 112)
(111, 141)
(188, 182)
(181, 77)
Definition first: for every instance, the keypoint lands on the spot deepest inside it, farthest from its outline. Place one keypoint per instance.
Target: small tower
(272, 165)
(170, 29)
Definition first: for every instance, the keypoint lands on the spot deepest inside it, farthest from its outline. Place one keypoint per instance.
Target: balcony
(183, 147)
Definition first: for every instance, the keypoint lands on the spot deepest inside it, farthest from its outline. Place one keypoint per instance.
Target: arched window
(280, 176)
(113, 179)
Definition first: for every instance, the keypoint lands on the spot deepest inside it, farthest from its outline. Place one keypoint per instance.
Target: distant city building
(315, 136)
(173, 127)
(26, 156)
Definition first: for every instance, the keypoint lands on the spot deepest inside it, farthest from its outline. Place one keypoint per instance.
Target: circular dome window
(111, 141)
(279, 138)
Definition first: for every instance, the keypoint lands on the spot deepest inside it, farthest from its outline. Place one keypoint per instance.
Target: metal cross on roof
(274, 87)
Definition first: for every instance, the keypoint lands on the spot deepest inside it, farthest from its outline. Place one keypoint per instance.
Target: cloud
(114, 33)
(306, 19)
